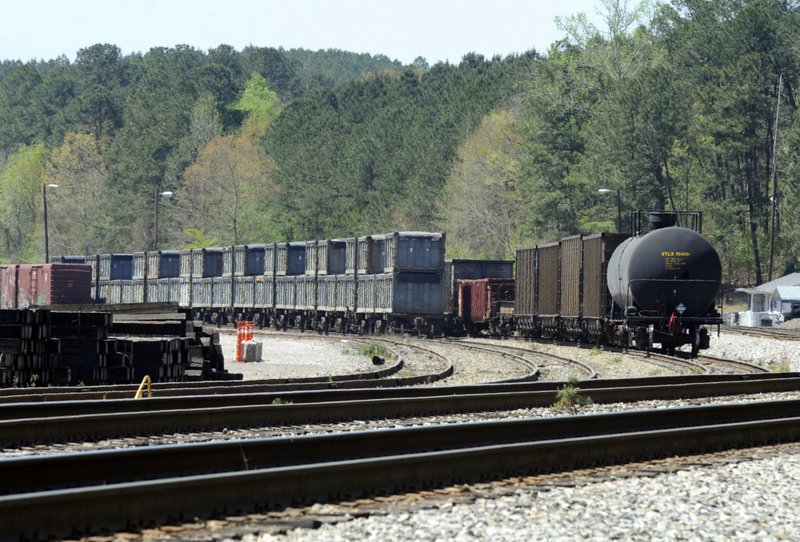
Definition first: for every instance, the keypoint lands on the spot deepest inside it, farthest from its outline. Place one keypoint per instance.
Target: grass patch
(569, 397)
(371, 349)
(780, 366)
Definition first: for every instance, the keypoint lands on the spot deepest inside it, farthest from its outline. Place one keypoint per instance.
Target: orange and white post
(239, 338)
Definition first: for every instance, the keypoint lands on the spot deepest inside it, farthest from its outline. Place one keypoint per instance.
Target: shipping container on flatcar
(285, 292)
(227, 261)
(164, 264)
(221, 292)
(290, 258)
(26, 285)
(207, 263)
(359, 256)
(264, 293)
(249, 259)
(186, 262)
(326, 257)
(270, 259)
(202, 291)
(409, 295)
(306, 287)
(346, 293)
(115, 266)
(420, 252)
(244, 291)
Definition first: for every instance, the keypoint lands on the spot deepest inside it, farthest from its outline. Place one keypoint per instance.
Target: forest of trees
(682, 105)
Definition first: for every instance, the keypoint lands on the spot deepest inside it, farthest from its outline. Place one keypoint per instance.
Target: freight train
(658, 286)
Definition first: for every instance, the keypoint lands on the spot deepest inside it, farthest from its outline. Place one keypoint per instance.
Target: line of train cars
(655, 288)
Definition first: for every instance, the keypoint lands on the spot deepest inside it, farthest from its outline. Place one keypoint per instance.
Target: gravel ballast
(749, 500)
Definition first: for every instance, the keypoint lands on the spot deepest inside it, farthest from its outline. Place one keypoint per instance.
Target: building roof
(789, 293)
(792, 279)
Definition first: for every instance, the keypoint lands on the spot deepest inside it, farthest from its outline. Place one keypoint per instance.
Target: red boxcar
(486, 304)
(27, 285)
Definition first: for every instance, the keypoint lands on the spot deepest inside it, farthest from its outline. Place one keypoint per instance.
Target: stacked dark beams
(88, 344)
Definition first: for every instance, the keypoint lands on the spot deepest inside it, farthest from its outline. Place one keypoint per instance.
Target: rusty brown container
(481, 300)
(570, 276)
(27, 285)
(548, 291)
(597, 250)
(525, 302)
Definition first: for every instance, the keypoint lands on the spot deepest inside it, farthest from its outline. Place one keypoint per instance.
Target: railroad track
(585, 371)
(63, 421)
(725, 366)
(770, 333)
(76, 494)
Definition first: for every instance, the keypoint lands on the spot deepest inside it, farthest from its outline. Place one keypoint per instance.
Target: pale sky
(438, 30)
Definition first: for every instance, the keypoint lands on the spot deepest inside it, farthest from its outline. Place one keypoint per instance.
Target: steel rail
(58, 471)
(125, 505)
(742, 366)
(589, 371)
(93, 426)
(265, 395)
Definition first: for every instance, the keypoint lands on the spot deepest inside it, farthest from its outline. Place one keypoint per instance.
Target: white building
(772, 302)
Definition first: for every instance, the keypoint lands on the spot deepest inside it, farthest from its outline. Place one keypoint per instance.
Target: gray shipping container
(244, 291)
(290, 258)
(264, 292)
(306, 292)
(408, 293)
(186, 263)
(227, 261)
(421, 252)
(207, 262)
(358, 255)
(345, 292)
(365, 287)
(248, 260)
(326, 292)
(202, 292)
(160, 291)
(285, 292)
(326, 257)
(270, 259)
(164, 264)
(139, 265)
(116, 266)
(131, 291)
(221, 292)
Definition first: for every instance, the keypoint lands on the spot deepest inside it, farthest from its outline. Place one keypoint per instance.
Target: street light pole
(157, 196)
(46, 233)
(619, 206)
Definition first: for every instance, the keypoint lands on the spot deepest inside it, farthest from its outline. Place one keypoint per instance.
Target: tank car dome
(669, 270)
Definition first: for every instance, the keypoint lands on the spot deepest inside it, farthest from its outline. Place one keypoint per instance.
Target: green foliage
(570, 399)
(672, 105)
(373, 349)
(21, 205)
(257, 100)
